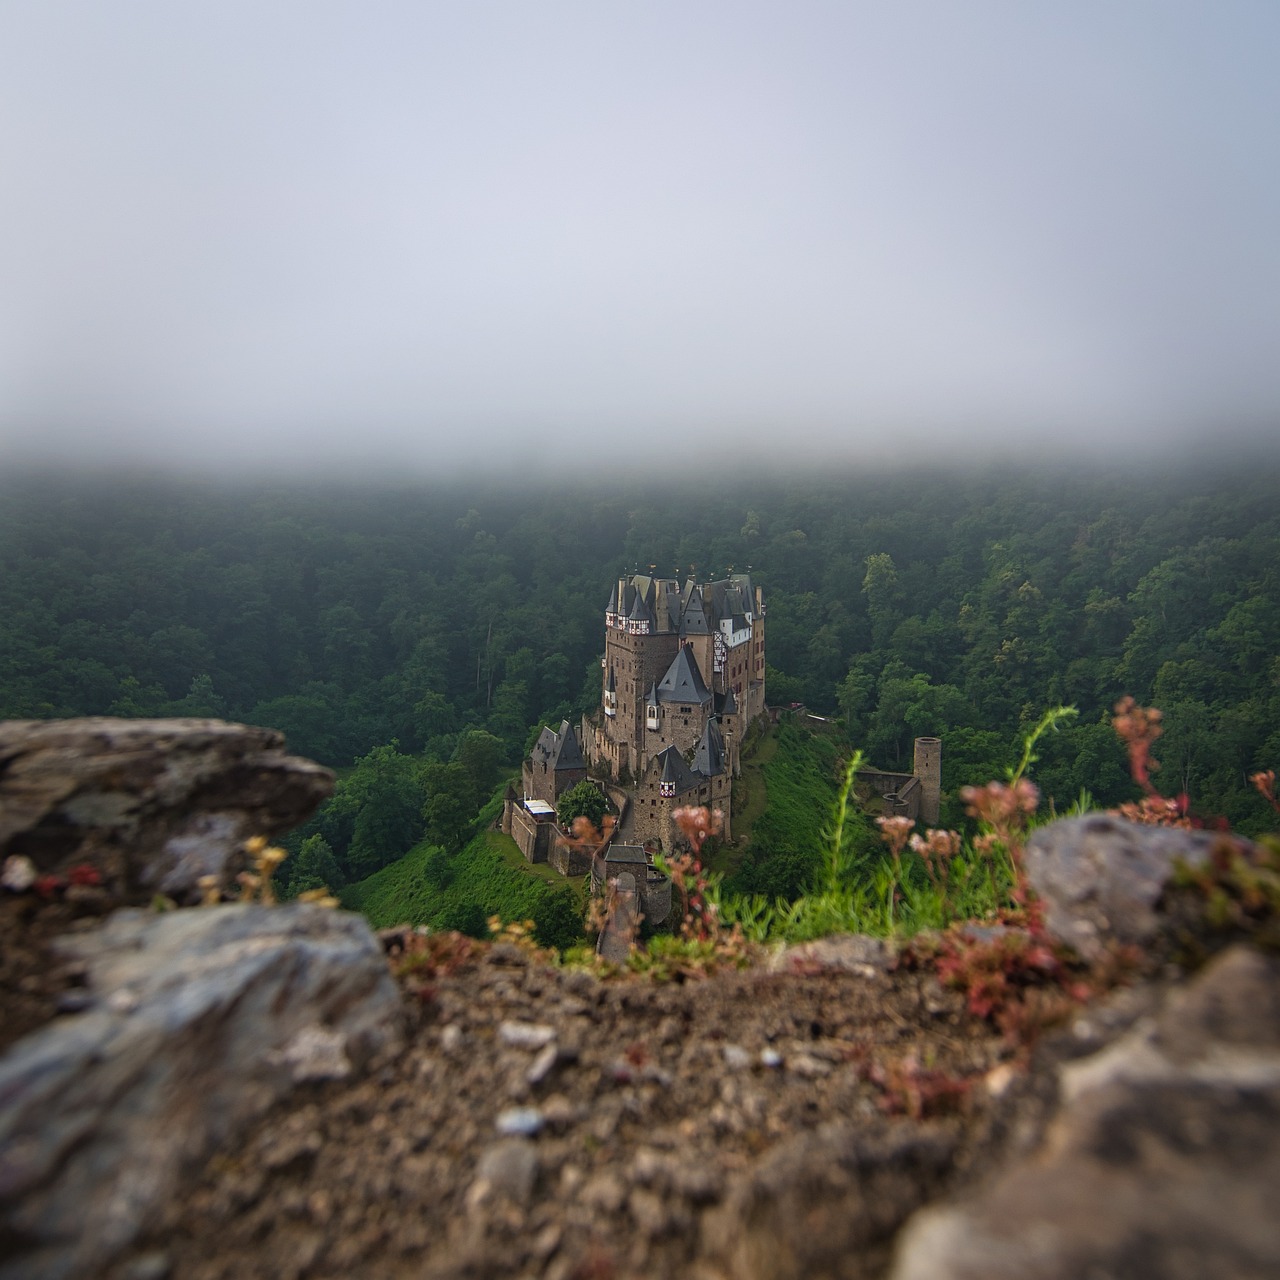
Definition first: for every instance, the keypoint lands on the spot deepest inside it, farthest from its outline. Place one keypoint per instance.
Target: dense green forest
(424, 631)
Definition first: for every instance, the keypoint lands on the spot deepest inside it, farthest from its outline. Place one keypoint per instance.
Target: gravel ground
(544, 1122)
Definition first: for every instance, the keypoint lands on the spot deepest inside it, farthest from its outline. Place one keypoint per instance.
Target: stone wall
(533, 838)
(901, 792)
(568, 859)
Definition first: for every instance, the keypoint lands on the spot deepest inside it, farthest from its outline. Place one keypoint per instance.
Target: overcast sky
(418, 234)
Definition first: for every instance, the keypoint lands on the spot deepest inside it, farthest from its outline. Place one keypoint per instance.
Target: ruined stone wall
(901, 792)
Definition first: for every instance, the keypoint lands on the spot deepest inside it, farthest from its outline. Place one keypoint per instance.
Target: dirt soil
(35, 985)
(781, 1120)
(664, 1123)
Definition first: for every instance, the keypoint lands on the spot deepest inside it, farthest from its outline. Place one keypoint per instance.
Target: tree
(448, 809)
(464, 917)
(480, 755)
(585, 800)
(306, 720)
(557, 920)
(313, 867)
(388, 793)
(437, 871)
(883, 597)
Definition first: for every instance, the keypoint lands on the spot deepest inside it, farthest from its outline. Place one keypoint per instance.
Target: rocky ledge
(244, 1091)
(152, 805)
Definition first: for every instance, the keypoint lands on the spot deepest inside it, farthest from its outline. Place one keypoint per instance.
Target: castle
(681, 679)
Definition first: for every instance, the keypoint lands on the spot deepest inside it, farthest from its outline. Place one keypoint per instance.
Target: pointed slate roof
(559, 750)
(693, 621)
(683, 681)
(728, 703)
(569, 753)
(652, 700)
(675, 770)
(612, 606)
(709, 758)
(611, 685)
(669, 605)
(640, 611)
(546, 748)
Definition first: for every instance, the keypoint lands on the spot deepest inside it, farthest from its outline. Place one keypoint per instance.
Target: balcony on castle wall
(651, 721)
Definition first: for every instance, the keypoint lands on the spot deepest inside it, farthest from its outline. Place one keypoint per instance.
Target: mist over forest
(903, 604)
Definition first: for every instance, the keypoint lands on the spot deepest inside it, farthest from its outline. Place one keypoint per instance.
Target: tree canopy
(951, 604)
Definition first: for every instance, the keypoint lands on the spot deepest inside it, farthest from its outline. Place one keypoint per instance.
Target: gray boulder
(1101, 877)
(826, 1203)
(200, 1021)
(153, 804)
(1163, 1161)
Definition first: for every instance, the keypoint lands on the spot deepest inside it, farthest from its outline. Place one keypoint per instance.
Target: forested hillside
(958, 605)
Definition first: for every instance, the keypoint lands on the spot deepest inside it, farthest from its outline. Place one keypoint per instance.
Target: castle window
(666, 788)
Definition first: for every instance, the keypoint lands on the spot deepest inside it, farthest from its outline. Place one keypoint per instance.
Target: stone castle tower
(928, 768)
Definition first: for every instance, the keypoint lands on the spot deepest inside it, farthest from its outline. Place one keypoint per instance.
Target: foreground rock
(1163, 1162)
(199, 1021)
(827, 1203)
(1100, 878)
(154, 805)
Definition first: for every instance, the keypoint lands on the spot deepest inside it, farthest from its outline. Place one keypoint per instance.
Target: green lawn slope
(792, 785)
(489, 877)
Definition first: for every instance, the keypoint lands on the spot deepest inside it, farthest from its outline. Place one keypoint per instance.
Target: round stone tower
(928, 768)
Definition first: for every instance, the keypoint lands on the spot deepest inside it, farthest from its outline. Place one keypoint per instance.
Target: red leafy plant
(1139, 728)
(907, 1088)
(935, 849)
(418, 958)
(698, 916)
(49, 886)
(1265, 782)
(590, 839)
